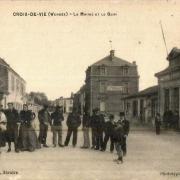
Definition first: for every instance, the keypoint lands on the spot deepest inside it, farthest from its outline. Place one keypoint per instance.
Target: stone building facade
(108, 81)
(169, 84)
(142, 106)
(12, 86)
(79, 100)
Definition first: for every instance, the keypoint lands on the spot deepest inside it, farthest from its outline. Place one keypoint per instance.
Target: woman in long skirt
(28, 137)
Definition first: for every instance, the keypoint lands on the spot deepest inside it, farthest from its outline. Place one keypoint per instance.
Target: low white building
(66, 103)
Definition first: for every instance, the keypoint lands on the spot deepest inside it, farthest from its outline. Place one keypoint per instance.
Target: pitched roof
(146, 92)
(175, 52)
(4, 63)
(113, 61)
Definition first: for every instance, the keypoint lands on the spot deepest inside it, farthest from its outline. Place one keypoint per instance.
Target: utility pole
(163, 37)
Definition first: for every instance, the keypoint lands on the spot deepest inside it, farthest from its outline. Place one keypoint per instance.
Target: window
(17, 85)
(102, 87)
(135, 108)
(12, 82)
(102, 106)
(102, 70)
(125, 88)
(22, 89)
(125, 70)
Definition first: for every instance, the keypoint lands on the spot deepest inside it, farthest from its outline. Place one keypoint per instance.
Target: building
(12, 86)
(108, 81)
(31, 104)
(79, 99)
(142, 106)
(169, 84)
(66, 103)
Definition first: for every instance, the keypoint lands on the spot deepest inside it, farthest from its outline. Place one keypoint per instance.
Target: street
(149, 156)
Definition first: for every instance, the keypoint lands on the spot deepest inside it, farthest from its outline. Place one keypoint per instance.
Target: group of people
(169, 120)
(18, 128)
(104, 127)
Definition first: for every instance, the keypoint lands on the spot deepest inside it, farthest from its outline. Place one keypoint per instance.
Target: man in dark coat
(126, 127)
(100, 130)
(157, 123)
(44, 121)
(13, 123)
(109, 129)
(73, 122)
(93, 125)
(118, 134)
(57, 118)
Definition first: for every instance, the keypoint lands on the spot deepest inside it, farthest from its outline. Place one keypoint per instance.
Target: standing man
(93, 125)
(100, 129)
(125, 125)
(44, 120)
(118, 139)
(13, 123)
(57, 118)
(109, 129)
(73, 122)
(157, 123)
(86, 125)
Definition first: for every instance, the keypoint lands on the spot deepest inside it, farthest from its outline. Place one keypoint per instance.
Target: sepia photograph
(89, 90)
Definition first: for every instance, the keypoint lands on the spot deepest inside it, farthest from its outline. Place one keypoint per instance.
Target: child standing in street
(118, 139)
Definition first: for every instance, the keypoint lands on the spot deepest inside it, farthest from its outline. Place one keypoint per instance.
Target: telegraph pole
(164, 39)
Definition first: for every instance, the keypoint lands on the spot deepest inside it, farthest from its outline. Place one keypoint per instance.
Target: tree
(39, 98)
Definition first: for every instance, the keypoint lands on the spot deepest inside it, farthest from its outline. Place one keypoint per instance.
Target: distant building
(31, 104)
(12, 86)
(66, 103)
(79, 99)
(108, 81)
(142, 106)
(169, 84)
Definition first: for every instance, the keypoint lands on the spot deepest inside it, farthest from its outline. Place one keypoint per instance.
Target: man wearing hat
(73, 122)
(44, 121)
(109, 130)
(13, 123)
(93, 124)
(57, 118)
(125, 125)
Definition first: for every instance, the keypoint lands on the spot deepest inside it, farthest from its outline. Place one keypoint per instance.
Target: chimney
(112, 54)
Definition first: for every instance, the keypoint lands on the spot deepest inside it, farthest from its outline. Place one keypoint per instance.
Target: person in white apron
(3, 122)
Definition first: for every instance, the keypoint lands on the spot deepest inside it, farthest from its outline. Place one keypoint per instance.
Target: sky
(53, 53)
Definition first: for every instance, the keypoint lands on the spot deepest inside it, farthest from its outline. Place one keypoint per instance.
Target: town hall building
(108, 81)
